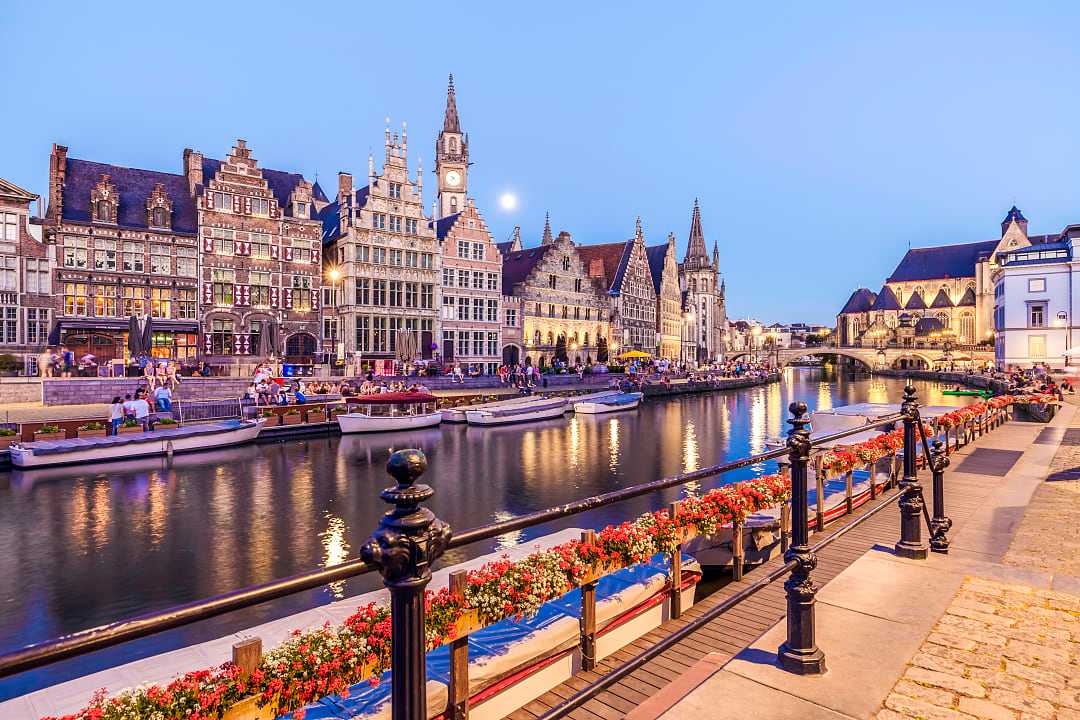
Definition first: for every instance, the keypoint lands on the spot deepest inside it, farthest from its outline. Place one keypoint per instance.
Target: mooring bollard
(408, 540)
(940, 524)
(911, 544)
(800, 653)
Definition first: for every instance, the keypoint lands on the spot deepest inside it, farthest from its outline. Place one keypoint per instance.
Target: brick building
(26, 299)
(664, 267)
(261, 260)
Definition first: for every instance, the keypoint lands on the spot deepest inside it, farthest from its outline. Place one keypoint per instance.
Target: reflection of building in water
(335, 549)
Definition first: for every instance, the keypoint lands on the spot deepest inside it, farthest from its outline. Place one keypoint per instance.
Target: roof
(134, 187)
(517, 266)
(657, 254)
(915, 302)
(886, 300)
(9, 189)
(927, 325)
(505, 247)
(1014, 214)
(946, 261)
(860, 301)
(318, 194)
(443, 226)
(331, 222)
(967, 299)
(941, 300)
(613, 257)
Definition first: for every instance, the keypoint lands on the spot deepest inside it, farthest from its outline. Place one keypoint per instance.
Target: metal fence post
(911, 544)
(799, 653)
(408, 540)
(940, 524)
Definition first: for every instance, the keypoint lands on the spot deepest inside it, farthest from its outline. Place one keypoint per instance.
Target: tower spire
(637, 228)
(716, 256)
(547, 239)
(695, 250)
(451, 123)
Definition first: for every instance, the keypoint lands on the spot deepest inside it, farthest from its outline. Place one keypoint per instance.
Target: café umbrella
(135, 339)
(147, 335)
(634, 355)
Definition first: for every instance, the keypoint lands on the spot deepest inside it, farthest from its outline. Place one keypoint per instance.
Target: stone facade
(513, 336)
(704, 296)
(623, 270)
(386, 251)
(26, 299)
(261, 260)
(664, 267)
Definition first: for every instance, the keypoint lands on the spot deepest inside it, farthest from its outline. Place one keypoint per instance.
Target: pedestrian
(163, 398)
(116, 414)
(142, 411)
(128, 407)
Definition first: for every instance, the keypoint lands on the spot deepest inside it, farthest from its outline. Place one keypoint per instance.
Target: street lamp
(755, 332)
(334, 274)
(1062, 321)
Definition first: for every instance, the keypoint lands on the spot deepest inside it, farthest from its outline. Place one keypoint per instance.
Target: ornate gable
(104, 201)
(159, 208)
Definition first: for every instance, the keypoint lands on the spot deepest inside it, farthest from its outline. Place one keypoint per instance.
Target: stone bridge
(873, 358)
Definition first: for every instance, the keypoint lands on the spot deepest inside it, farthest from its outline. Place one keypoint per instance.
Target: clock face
(453, 178)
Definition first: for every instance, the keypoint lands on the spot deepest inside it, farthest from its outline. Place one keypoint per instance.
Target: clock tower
(452, 159)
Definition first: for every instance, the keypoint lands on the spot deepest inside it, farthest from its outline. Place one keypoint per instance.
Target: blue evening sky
(822, 138)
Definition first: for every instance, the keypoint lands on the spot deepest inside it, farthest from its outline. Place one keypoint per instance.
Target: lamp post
(334, 274)
(1062, 321)
(755, 332)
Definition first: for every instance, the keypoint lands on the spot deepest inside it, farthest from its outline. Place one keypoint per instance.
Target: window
(551, 310)
(160, 262)
(157, 217)
(493, 311)
(185, 261)
(223, 241)
(378, 292)
(1036, 284)
(551, 281)
(260, 246)
(37, 325)
(301, 209)
(477, 343)
(221, 336)
(363, 291)
(395, 293)
(260, 288)
(448, 275)
(185, 304)
(478, 251)
(564, 308)
(379, 340)
(411, 259)
(301, 292)
(510, 317)
(492, 281)
(577, 285)
(378, 221)
(9, 265)
(74, 251)
(395, 258)
(329, 328)
(410, 226)
(427, 261)
(449, 303)
(412, 294)
(160, 302)
(566, 264)
(363, 333)
(134, 256)
(9, 324)
(378, 256)
(223, 280)
(427, 296)
(104, 211)
(9, 227)
(134, 300)
(37, 276)
(477, 280)
(395, 190)
(1036, 346)
(577, 313)
(222, 201)
(75, 299)
(104, 254)
(463, 248)
(301, 255)
(478, 309)
(105, 300)
(1037, 316)
(463, 309)
(260, 206)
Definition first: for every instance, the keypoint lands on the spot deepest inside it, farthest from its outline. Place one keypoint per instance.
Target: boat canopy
(398, 398)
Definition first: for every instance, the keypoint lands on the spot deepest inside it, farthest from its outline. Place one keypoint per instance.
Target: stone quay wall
(952, 378)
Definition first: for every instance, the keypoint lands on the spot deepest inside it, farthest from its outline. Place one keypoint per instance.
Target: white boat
(186, 438)
(540, 408)
(457, 414)
(612, 402)
(385, 412)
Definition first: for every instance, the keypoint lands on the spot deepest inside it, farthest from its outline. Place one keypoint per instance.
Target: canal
(83, 547)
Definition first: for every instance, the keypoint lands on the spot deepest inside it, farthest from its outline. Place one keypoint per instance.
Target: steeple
(716, 256)
(547, 239)
(451, 123)
(695, 250)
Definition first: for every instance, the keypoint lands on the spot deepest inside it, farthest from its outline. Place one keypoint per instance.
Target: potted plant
(316, 415)
(49, 432)
(271, 418)
(92, 429)
(7, 436)
(166, 423)
(291, 417)
(129, 426)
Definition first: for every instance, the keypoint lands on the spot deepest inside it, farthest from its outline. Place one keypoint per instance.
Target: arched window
(944, 318)
(551, 338)
(967, 328)
(453, 146)
(586, 339)
(453, 205)
(536, 338)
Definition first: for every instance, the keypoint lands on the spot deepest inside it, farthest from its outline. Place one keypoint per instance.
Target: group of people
(375, 386)
(140, 407)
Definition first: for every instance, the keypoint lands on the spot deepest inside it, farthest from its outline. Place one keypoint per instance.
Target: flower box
(125, 429)
(50, 435)
(7, 440)
(291, 419)
(93, 433)
(316, 416)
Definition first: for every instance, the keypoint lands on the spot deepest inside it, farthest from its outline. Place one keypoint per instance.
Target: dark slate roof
(505, 247)
(925, 326)
(134, 187)
(886, 300)
(444, 225)
(613, 256)
(946, 261)
(860, 301)
(331, 223)
(318, 194)
(517, 266)
(915, 302)
(968, 299)
(1014, 214)
(657, 255)
(941, 300)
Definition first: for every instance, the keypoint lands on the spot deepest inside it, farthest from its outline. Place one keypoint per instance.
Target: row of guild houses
(230, 263)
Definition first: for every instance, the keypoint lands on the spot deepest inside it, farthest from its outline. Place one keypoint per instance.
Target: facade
(26, 298)
(261, 260)
(1035, 304)
(560, 299)
(622, 269)
(935, 294)
(704, 301)
(124, 244)
(664, 268)
(384, 251)
(513, 336)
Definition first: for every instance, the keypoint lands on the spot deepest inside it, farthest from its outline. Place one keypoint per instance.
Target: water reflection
(85, 547)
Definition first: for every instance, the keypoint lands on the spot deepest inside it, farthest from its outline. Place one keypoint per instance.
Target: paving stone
(940, 664)
(984, 709)
(914, 708)
(1035, 675)
(955, 683)
(1033, 705)
(952, 641)
(929, 694)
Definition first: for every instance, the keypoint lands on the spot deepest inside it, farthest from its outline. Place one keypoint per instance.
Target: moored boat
(385, 412)
(540, 408)
(457, 414)
(186, 438)
(611, 402)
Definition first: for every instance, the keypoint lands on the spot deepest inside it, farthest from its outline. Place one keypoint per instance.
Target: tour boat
(457, 414)
(540, 408)
(383, 412)
(607, 403)
(185, 438)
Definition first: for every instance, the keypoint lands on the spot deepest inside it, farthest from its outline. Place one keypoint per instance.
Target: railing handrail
(85, 641)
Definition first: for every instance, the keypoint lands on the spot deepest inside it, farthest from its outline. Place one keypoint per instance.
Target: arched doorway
(300, 347)
(511, 355)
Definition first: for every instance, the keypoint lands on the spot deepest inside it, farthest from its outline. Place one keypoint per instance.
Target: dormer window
(103, 199)
(159, 208)
(301, 210)
(157, 217)
(104, 211)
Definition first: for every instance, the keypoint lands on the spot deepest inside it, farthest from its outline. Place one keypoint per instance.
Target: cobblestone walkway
(1000, 652)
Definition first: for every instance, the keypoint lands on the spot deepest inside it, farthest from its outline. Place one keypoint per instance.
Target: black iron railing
(410, 539)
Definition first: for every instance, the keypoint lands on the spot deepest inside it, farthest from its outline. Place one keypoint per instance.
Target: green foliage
(9, 363)
(92, 426)
(47, 429)
(7, 432)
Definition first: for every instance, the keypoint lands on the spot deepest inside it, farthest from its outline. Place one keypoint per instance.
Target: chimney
(596, 268)
(57, 173)
(344, 185)
(193, 169)
(564, 235)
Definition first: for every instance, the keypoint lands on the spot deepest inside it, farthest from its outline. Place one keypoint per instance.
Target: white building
(1037, 302)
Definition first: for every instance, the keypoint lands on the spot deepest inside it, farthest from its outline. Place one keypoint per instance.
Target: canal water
(80, 547)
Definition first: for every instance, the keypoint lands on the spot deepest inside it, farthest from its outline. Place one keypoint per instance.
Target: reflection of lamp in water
(510, 539)
(335, 550)
(613, 444)
(690, 449)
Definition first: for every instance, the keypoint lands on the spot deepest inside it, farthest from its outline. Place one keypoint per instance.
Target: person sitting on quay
(148, 373)
(163, 398)
(172, 376)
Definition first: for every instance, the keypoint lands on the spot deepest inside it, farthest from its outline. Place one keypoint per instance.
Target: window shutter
(236, 295)
(236, 206)
(273, 209)
(245, 344)
(236, 344)
(288, 254)
(315, 257)
(288, 298)
(208, 295)
(208, 198)
(247, 294)
(208, 244)
(273, 297)
(315, 300)
(247, 205)
(207, 343)
(275, 252)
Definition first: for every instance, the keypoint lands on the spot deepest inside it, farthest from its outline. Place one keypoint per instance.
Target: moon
(508, 201)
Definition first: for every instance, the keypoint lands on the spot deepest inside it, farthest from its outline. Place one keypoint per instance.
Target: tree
(601, 350)
(560, 349)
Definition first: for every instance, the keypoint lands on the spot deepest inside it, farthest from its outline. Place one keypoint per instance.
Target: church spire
(716, 256)
(695, 250)
(451, 123)
(547, 239)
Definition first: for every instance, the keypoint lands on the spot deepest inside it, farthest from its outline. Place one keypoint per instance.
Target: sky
(823, 139)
